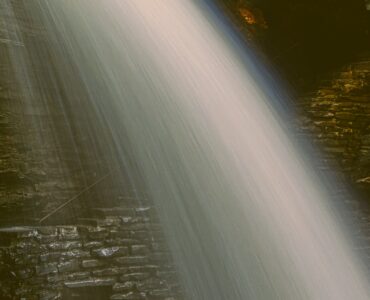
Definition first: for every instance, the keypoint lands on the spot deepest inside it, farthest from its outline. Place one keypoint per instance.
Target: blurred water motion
(244, 216)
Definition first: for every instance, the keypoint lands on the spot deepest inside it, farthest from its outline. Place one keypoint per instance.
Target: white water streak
(244, 217)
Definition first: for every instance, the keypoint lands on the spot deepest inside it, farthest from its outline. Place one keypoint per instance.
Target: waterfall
(244, 215)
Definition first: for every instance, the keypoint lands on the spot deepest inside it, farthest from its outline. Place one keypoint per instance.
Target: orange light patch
(248, 16)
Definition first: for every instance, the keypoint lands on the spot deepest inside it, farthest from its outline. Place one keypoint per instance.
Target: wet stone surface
(336, 117)
(41, 168)
(43, 269)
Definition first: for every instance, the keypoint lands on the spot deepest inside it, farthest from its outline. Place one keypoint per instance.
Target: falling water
(244, 217)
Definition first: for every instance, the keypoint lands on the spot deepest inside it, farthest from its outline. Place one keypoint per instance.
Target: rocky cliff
(338, 117)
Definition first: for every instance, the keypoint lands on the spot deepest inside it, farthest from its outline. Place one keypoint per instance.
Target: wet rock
(68, 233)
(157, 246)
(343, 135)
(91, 263)
(90, 282)
(76, 253)
(37, 174)
(161, 293)
(111, 221)
(69, 257)
(128, 296)
(105, 222)
(114, 211)
(160, 257)
(344, 115)
(46, 239)
(135, 276)
(50, 256)
(93, 229)
(146, 268)
(92, 222)
(24, 273)
(121, 241)
(124, 287)
(80, 283)
(46, 269)
(138, 226)
(140, 235)
(36, 281)
(28, 246)
(48, 231)
(168, 276)
(78, 276)
(23, 290)
(31, 233)
(132, 260)
(99, 234)
(145, 212)
(93, 244)
(151, 284)
(49, 295)
(110, 271)
(139, 250)
(26, 259)
(65, 245)
(54, 278)
(126, 220)
(120, 234)
(68, 266)
(110, 252)
(13, 177)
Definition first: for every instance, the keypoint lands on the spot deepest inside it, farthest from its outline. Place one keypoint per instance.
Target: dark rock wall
(52, 149)
(121, 255)
(53, 154)
(337, 116)
(304, 38)
(35, 176)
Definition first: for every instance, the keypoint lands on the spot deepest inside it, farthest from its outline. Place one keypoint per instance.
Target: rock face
(338, 118)
(51, 148)
(107, 242)
(35, 172)
(53, 262)
(303, 38)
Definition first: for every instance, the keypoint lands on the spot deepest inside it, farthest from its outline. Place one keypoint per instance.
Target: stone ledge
(123, 255)
(90, 282)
